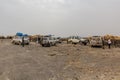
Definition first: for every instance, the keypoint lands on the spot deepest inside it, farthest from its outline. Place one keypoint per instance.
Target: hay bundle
(106, 37)
(115, 39)
(34, 38)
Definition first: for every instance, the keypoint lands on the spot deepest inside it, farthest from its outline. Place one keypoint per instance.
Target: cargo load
(19, 34)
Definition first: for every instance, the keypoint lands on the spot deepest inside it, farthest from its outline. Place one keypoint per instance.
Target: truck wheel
(85, 43)
(43, 45)
(27, 43)
(91, 46)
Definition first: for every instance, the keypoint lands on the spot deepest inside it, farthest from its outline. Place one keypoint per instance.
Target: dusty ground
(61, 62)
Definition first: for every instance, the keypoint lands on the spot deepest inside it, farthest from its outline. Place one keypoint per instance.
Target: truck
(84, 41)
(73, 39)
(96, 41)
(18, 40)
(48, 41)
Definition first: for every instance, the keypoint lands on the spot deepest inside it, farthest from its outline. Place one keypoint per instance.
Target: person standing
(23, 41)
(109, 43)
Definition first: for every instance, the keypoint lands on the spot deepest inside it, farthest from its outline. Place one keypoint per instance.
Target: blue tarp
(25, 35)
(19, 34)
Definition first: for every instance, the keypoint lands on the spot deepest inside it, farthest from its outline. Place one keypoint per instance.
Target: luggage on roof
(19, 34)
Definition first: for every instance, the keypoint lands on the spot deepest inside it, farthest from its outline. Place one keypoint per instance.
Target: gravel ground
(61, 62)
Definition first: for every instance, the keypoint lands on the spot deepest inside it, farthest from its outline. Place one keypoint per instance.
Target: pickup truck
(73, 40)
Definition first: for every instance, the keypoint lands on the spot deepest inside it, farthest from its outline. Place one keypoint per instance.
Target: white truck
(48, 41)
(73, 39)
(18, 40)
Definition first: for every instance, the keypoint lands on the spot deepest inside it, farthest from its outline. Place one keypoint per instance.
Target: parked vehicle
(18, 40)
(96, 41)
(84, 41)
(58, 40)
(73, 39)
(48, 41)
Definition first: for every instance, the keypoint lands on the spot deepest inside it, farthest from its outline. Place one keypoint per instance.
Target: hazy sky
(60, 17)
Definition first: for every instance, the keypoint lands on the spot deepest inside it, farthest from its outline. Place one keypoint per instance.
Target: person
(109, 43)
(23, 41)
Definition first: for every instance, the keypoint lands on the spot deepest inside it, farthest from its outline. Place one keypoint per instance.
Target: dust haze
(60, 17)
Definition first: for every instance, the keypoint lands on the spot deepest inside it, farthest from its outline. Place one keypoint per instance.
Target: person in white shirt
(109, 43)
